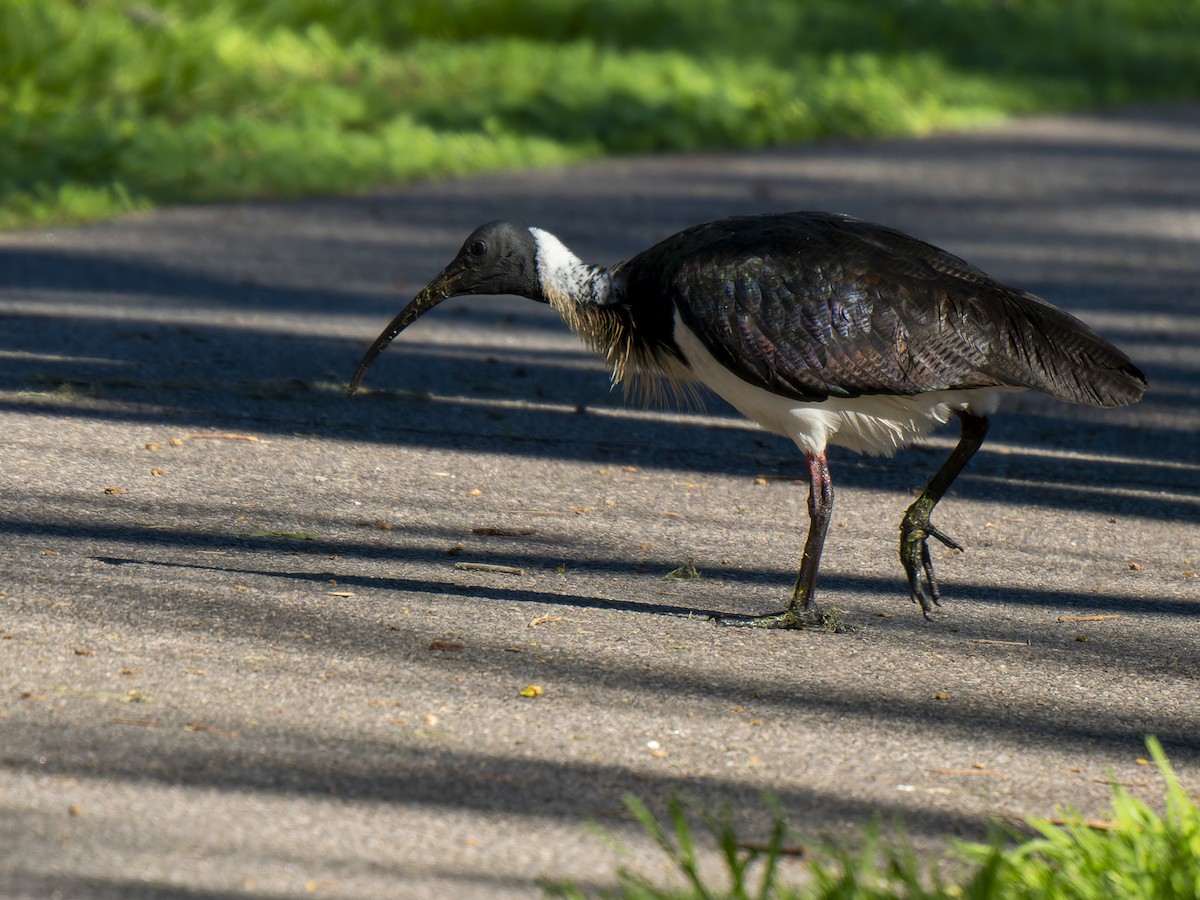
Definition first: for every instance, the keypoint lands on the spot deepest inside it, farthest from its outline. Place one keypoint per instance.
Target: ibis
(822, 328)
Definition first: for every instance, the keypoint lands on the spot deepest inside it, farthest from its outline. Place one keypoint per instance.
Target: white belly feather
(874, 424)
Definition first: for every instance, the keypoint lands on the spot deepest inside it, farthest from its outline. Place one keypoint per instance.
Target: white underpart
(875, 423)
(564, 276)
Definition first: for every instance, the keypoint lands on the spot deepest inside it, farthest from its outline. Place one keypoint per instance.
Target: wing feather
(813, 305)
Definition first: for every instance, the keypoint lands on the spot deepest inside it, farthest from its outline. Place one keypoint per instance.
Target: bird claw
(950, 542)
(811, 617)
(915, 531)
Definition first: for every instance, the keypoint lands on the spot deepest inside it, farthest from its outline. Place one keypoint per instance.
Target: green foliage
(110, 105)
(751, 871)
(1139, 855)
(1143, 855)
(686, 572)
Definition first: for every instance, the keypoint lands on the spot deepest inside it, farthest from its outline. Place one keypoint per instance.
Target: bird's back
(813, 305)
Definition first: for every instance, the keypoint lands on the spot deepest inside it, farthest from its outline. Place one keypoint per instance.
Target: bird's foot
(915, 531)
(811, 617)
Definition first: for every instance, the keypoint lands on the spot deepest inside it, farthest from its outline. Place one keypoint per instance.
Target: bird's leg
(820, 510)
(915, 527)
(802, 610)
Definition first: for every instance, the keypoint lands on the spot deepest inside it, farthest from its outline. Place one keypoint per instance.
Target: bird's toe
(923, 587)
(813, 617)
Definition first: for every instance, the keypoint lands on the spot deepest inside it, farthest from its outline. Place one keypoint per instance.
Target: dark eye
(477, 248)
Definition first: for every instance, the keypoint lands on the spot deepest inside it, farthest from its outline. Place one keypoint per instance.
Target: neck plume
(587, 300)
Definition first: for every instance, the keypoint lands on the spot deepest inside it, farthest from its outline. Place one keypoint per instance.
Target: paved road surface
(239, 658)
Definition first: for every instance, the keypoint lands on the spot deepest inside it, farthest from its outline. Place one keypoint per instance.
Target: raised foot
(915, 531)
(812, 618)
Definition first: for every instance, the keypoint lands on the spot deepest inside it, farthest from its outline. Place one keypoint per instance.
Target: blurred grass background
(107, 106)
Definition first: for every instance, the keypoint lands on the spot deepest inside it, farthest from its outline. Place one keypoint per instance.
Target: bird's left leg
(802, 610)
(915, 527)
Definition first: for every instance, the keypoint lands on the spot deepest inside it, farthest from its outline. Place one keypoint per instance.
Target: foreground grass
(1139, 854)
(111, 105)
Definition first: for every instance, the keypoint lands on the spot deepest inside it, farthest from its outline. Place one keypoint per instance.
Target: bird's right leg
(803, 611)
(916, 528)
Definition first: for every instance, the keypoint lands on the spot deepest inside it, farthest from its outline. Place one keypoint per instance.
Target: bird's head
(497, 258)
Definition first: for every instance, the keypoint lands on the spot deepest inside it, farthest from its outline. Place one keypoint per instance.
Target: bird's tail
(1053, 352)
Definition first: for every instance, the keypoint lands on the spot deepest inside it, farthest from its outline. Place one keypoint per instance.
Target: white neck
(565, 278)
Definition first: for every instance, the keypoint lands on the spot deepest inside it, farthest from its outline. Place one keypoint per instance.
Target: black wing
(813, 305)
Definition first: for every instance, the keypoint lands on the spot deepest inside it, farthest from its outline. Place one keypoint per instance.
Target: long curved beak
(427, 298)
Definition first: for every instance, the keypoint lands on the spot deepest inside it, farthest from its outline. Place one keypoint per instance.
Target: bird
(823, 328)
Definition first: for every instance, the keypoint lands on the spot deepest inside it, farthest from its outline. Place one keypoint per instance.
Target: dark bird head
(498, 258)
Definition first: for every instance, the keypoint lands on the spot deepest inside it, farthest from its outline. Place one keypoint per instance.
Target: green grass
(1138, 855)
(114, 105)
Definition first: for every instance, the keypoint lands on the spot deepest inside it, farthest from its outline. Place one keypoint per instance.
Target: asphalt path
(245, 646)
